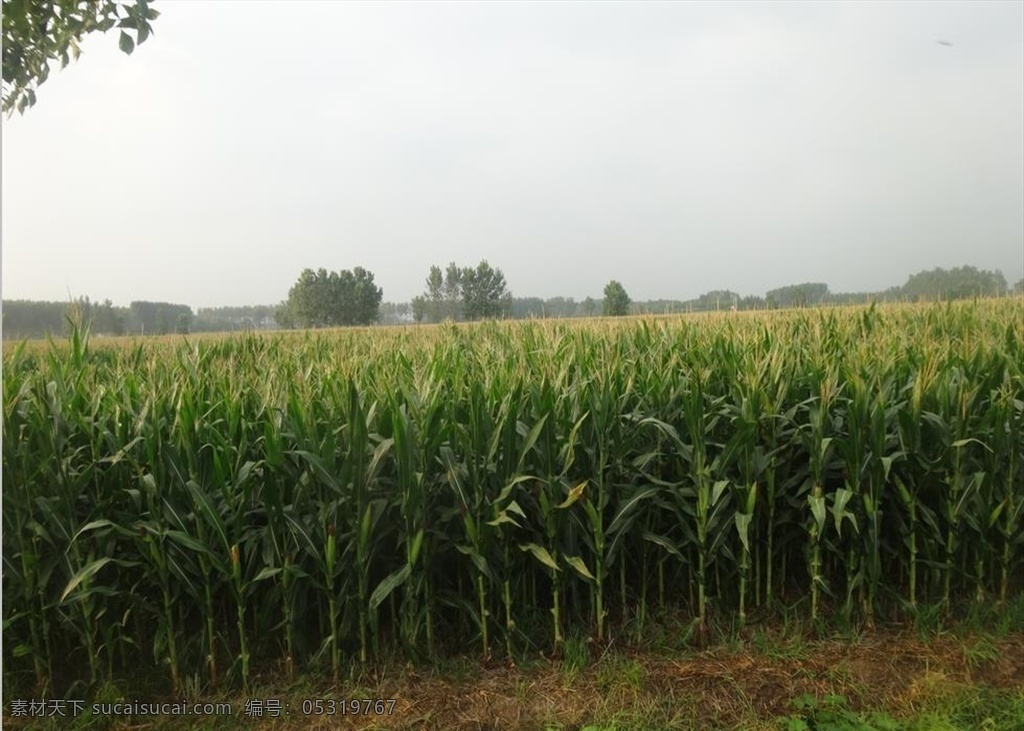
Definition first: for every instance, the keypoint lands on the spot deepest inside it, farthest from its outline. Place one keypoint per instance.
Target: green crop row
(219, 506)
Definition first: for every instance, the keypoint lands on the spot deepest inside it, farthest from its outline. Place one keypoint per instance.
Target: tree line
(27, 319)
(328, 299)
(34, 319)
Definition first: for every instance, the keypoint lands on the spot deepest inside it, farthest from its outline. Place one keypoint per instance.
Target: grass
(886, 680)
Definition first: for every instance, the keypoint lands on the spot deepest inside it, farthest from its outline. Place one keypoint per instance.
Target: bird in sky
(945, 43)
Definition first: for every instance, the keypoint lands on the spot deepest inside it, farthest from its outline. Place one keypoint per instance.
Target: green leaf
(84, 574)
(503, 517)
(187, 541)
(96, 524)
(839, 511)
(120, 454)
(664, 543)
(628, 510)
(817, 504)
(507, 490)
(994, 515)
(743, 528)
(541, 554)
(717, 490)
(751, 499)
(531, 439)
(303, 535)
(417, 544)
(268, 572)
(577, 563)
(125, 43)
(964, 442)
(574, 494)
(23, 650)
(513, 507)
(212, 517)
(388, 585)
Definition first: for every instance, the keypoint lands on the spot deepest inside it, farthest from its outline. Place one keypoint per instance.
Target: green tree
(560, 307)
(1019, 287)
(959, 283)
(108, 319)
(452, 290)
(228, 319)
(471, 293)
(419, 308)
(162, 321)
(40, 32)
(432, 302)
(799, 295)
(362, 297)
(616, 301)
(484, 292)
(330, 299)
(182, 325)
(26, 319)
(155, 318)
(284, 317)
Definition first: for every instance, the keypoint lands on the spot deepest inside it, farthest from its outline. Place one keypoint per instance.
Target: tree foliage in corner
(616, 301)
(38, 32)
(330, 299)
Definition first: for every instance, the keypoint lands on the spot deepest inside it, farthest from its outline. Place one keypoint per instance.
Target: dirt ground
(717, 688)
(724, 688)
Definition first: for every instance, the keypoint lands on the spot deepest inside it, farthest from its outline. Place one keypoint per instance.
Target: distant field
(217, 507)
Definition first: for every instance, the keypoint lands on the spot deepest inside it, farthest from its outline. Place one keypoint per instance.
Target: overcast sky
(678, 147)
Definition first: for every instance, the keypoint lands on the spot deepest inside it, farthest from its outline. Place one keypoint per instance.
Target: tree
(432, 302)
(484, 292)
(419, 308)
(471, 293)
(394, 313)
(284, 317)
(108, 319)
(799, 295)
(452, 292)
(330, 299)
(40, 32)
(162, 321)
(559, 307)
(1018, 288)
(155, 318)
(959, 283)
(366, 296)
(616, 301)
(229, 319)
(524, 308)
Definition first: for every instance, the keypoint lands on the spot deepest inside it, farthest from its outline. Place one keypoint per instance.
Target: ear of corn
(318, 498)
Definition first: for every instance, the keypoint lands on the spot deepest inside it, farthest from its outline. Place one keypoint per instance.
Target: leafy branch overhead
(38, 33)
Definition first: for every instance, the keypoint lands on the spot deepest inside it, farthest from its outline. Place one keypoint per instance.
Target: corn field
(215, 508)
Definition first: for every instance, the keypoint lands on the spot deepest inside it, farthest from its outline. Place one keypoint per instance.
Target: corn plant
(208, 506)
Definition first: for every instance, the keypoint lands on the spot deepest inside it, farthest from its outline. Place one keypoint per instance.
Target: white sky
(678, 147)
